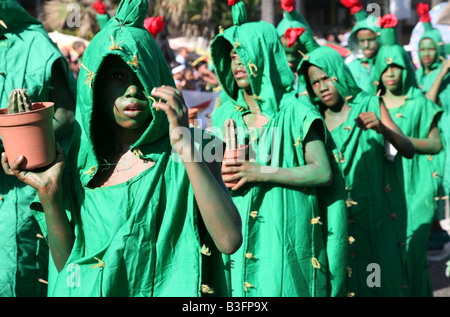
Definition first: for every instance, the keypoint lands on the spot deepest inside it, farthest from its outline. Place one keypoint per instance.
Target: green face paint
(239, 71)
(292, 53)
(121, 95)
(392, 78)
(367, 41)
(427, 52)
(323, 87)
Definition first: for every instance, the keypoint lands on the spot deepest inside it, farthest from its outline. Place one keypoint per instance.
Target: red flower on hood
(288, 5)
(354, 5)
(154, 25)
(292, 34)
(423, 10)
(99, 6)
(232, 2)
(388, 21)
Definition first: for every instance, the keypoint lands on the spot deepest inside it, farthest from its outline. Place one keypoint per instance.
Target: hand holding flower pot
(26, 129)
(233, 151)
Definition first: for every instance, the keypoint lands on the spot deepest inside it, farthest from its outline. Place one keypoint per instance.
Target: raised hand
(175, 109)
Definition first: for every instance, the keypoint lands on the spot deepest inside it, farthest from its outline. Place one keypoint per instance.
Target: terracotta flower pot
(238, 155)
(29, 134)
(192, 115)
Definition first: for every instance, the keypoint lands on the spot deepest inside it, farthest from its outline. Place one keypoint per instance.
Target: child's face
(292, 53)
(427, 52)
(323, 87)
(392, 78)
(238, 70)
(122, 96)
(367, 41)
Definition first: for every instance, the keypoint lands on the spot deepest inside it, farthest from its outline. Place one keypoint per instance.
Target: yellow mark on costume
(315, 263)
(91, 171)
(217, 89)
(316, 221)
(89, 76)
(220, 29)
(351, 239)
(134, 61)
(236, 44)
(205, 250)
(2, 23)
(350, 202)
(252, 68)
(399, 115)
(389, 60)
(238, 108)
(137, 151)
(206, 289)
(99, 264)
(304, 56)
(298, 141)
(115, 46)
(348, 128)
(253, 214)
(247, 285)
(250, 256)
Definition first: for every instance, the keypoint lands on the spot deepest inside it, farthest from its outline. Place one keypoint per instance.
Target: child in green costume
(364, 44)
(286, 29)
(418, 118)
(433, 78)
(28, 59)
(290, 247)
(124, 216)
(359, 126)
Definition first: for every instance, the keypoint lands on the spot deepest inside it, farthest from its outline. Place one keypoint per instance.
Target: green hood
(393, 53)
(125, 36)
(292, 19)
(363, 21)
(436, 37)
(332, 63)
(15, 17)
(270, 75)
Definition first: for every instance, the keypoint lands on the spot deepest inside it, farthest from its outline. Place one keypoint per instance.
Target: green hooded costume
(140, 237)
(414, 118)
(290, 247)
(27, 56)
(375, 200)
(293, 19)
(425, 81)
(363, 75)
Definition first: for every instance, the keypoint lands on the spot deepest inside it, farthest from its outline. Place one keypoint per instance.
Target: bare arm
(48, 185)
(316, 171)
(433, 92)
(64, 116)
(217, 209)
(432, 144)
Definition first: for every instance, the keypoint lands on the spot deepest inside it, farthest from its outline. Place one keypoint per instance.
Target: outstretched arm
(217, 209)
(316, 171)
(48, 185)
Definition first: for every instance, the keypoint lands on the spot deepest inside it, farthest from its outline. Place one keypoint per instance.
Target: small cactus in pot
(19, 101)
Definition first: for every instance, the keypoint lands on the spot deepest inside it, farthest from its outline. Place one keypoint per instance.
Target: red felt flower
(388, 21)
(423, 10)
(292, 34)
(100, 7)
(288, 5)
(354, 5)
(154, 25)
(232, 2)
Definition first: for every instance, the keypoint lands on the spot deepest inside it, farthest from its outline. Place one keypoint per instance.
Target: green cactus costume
(375, 200)
(414, 118)
(287, 249)
(138, 238)
(27, 56)
(363, 75)
(425, 81)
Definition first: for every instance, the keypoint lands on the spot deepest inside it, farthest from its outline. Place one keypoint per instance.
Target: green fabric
(280, 241)
(27, 56)
(292, 20)
(102, 19)
(425, 82)
(363, 75)
(145, 231)
(414, 118)
(377, 234)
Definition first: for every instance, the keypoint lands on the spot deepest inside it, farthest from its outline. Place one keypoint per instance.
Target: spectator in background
(208, 79)
(182, 56)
